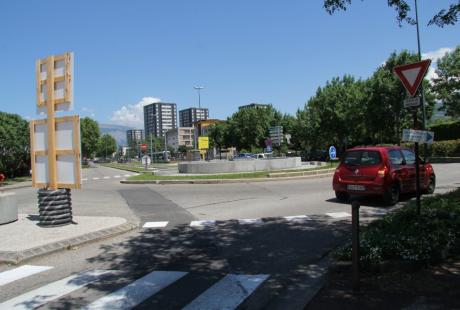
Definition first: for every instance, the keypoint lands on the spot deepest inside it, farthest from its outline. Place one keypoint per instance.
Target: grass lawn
(16, 180)
(136, 166)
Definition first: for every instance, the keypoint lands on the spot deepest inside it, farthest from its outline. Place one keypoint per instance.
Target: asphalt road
(268, 261)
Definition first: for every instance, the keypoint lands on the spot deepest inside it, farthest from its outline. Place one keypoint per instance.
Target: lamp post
(199, 88)
(166, 147)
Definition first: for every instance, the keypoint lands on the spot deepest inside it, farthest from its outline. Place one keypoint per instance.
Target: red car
(383, 171)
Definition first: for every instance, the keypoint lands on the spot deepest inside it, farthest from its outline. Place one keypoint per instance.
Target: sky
(131, 53)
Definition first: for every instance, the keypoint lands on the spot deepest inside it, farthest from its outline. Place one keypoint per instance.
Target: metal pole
(166, 148)
(422, 92)
(417, 168)
(355, 243)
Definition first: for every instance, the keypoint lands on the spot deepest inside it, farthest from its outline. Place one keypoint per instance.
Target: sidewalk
(25, 239)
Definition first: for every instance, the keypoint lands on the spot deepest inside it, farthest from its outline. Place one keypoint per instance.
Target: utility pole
(166, 147)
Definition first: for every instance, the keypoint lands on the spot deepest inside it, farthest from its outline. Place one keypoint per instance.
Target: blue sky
(128, 53)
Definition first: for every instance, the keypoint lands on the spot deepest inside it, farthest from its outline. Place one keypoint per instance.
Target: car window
(409, 156)
(362, 158)
(396, 158)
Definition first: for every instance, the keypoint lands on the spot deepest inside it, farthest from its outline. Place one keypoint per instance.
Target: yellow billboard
(203, 143)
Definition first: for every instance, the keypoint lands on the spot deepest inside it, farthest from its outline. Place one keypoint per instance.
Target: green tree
(444, 17)
(14, 145)
(217, 135)
(446, 86)
(106, 146)
(90, 134)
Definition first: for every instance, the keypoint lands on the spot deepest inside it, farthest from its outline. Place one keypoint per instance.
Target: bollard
(355, 243)
(55, 207)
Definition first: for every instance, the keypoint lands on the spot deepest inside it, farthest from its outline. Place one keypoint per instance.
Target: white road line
(84, 179)
(155, 224)
(134, 293)
(95, 178)
(54, 290)
(337, 215)
(127, 175)
(20, 272)
(250, 221)
(297, 218)
(202, 223)
(228, 293)
(117, 177)
(106, 178)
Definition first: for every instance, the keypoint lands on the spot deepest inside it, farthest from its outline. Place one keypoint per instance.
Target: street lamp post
(199, 88)
(166, 147)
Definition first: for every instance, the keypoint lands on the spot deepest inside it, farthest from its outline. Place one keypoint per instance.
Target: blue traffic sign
(332, 152)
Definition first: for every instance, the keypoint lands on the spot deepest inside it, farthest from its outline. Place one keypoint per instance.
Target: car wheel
(431, 185)
(341, 196)
(391, 195)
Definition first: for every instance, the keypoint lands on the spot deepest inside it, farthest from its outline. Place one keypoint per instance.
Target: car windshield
(362, 158)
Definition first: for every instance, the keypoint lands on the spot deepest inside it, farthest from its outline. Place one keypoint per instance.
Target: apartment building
(159, 117)
(180, 136)
(190, 116)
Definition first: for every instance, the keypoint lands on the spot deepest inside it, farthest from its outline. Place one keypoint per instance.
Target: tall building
(159, 118)
(253, 106)
(133, 136)
(190, 116)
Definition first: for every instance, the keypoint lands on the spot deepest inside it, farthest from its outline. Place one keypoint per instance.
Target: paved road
(258, 263)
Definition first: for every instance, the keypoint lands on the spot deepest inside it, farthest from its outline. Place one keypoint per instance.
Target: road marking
(202, 223)
(95, 178)
(84, 179)
(250, 221)
(117, 177)
(337, 215)
(297, 218)
(20, 272)
(106, 178)
(54, 290)
(155, 224)
(228, 293)
(127, 175)
(134, 293)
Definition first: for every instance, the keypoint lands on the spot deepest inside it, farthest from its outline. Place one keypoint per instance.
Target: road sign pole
(51, 123)
(417, 167)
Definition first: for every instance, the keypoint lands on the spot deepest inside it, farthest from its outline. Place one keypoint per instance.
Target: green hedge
(446, 131)
(448, 148)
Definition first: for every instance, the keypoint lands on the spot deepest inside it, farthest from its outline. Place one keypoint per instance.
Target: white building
(180, 136)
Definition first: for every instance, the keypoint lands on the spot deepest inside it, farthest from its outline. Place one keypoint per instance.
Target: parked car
(383, 171)
(244, 156)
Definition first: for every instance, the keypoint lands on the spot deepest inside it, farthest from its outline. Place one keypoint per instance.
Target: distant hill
(118, 132)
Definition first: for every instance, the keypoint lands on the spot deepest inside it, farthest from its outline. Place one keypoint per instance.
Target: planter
(8, 208)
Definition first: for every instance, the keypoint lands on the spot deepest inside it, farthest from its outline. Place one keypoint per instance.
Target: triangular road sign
(411, 75)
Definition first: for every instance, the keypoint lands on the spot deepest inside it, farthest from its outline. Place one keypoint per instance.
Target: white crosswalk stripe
(95, 178)
(250, 221)
(203, 223)
(134, 293)
(228, 293)
(85, 179)
(155, 224)
(54, 290)
(337, 215)
(106, 178)
(21, 272)
(117, 177)
(127, 175)
(297, 218)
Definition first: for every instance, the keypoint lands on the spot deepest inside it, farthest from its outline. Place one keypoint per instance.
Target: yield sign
(411, 75)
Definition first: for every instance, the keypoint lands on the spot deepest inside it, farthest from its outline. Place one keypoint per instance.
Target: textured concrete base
(8, 208)
(24, 239)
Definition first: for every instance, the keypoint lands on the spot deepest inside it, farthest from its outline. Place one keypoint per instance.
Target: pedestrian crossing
(87, 179)
(226, 292)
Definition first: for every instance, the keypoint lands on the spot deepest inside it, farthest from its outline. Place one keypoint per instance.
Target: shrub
(448, 148)
(405, 236)
(449, 130)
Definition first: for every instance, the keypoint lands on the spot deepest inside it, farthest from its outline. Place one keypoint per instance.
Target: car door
(399, 168)
(409, 158)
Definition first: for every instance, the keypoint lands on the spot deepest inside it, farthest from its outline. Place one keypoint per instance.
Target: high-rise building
(190, 116)
(159, 117)
(254, 106)
(134, 136)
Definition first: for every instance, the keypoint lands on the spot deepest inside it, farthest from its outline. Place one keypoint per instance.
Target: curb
(226, 181)
(15, 186)
(16, 257)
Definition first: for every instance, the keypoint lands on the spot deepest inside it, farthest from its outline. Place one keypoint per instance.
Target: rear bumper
(370, 188)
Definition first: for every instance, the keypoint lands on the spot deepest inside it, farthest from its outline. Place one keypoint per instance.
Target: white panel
(59, 90)
(63, 107)
(41, 137)
(43, 92)
(43, 71)
(64, 136)
(41, 169)
(65, 169)
(59, 68)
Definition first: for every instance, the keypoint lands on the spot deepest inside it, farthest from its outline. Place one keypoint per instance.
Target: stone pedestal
(8, 208)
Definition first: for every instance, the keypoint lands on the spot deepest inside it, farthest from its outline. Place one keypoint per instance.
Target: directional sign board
(420, 136)
(412, 102)
(332, 152)
(411, 75)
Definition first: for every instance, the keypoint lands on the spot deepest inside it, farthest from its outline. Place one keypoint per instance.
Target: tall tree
(216, 135)
(14, 145)
(90, 134)
(447, 16)
(106, 146)
(447, 85)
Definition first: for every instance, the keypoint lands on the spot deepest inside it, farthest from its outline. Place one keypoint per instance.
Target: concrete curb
(16, 257)
(16, 186)
(226, 181)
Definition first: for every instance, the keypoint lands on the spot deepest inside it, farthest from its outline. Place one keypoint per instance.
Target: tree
(14, 145)
(442, 18)
(89, 136)
(106, 146)
(447, 85)
(216, 135)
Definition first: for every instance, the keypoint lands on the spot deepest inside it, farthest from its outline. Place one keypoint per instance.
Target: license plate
(356, 187)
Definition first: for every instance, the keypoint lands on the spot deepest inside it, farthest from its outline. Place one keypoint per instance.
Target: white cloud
(87, 110)
(435, 56)
(132, 114)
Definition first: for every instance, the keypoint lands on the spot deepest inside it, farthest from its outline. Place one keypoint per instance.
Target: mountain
(118, 132)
